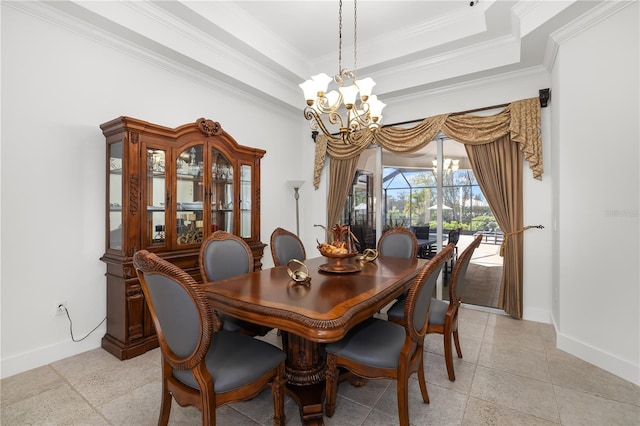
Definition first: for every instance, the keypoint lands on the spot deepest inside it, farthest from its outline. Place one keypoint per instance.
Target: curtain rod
(543, 94)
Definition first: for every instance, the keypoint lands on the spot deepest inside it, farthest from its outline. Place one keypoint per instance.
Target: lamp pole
(296, 195)
(296, 184)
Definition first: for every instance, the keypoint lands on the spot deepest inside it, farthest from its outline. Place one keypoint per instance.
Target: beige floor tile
(470, 347)
(28, 384)
(259, 409)
(78, 366)
(102, 386)
(509, 339)
(509, 324)
(347, 413)
(471, 331)
(376, 418)
(446, 407)
(582, 376)
(516, 392)
(480, 412)
(548, 333)
(514, 360)
(436, 373)
(580, 408)
(473, 316)
(368, 394)
(57, 406)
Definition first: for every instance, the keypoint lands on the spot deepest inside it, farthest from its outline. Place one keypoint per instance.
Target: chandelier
(339, 107)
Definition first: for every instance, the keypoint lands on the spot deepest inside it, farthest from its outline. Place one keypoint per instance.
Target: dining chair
(203, 365)
(422, 233)
(377, 348)
(398, 242)
(453, 237)
(224, 255)
(285, 246)
(443, 318)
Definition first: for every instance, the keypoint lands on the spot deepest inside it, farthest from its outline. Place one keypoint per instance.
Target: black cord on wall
(66, 311)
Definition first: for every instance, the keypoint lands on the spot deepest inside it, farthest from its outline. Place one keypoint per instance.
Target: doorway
(416, 193)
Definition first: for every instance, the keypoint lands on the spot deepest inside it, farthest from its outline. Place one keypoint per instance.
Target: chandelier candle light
(320, 103)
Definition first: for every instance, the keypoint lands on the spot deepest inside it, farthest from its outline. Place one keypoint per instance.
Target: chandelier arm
(315, 122)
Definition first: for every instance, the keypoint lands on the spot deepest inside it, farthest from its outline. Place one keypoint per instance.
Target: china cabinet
(167, 190)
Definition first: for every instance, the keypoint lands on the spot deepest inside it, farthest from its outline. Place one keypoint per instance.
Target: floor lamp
(296, 184)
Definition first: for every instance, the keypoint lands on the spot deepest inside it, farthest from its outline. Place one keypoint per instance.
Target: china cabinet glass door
(115, 196)
(245, 201)
(221, 192)
(155, 197)
(189, 196)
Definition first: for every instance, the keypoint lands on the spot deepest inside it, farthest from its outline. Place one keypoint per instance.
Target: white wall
(57, 88)
(597, 311)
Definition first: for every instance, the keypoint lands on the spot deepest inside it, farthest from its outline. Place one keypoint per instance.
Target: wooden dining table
(310, 315)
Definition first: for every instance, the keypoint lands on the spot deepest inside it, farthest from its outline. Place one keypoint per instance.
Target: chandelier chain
(355, 37)
(340, 39)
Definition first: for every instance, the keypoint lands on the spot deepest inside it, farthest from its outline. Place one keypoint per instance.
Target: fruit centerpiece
(341, 247)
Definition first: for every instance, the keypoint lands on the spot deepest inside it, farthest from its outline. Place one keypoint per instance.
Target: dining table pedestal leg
(305, 374)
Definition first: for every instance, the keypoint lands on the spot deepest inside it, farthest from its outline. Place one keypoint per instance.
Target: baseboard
(537, 315)
(484, 309)
(25, 361)
(609, 362)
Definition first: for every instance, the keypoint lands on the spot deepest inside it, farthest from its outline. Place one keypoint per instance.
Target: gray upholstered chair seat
(375, 342)
(251, 358)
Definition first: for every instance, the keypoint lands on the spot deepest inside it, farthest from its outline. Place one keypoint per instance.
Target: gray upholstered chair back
(398, 242)
(224, 255)
(181, 332)
(286, 246)
(459, 273)
(184, 338)
(418, 300)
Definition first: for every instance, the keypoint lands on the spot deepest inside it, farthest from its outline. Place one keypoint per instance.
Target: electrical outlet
(61, 307)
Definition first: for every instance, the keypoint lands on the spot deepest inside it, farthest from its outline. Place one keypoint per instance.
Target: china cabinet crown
(167, 190)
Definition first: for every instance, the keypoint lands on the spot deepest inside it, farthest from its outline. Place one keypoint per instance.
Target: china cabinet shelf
(163, 186)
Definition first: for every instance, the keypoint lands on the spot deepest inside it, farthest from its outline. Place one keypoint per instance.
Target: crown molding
(577, 26)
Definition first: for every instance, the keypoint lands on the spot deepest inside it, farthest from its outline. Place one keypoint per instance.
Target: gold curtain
(517, 126)
(341, 174)
(498, 170)
(520, 119)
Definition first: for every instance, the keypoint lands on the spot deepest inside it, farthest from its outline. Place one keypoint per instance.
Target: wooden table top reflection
(326, 308)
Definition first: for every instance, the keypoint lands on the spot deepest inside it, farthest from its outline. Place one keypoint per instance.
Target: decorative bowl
(335, 262)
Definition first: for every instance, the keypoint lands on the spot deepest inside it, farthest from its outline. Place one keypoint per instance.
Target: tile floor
(511, 374)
